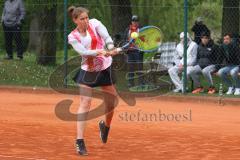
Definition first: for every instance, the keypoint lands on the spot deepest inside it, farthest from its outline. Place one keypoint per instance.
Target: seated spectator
(178, 67)
(231, 54)
(208, 56)
(198, 28)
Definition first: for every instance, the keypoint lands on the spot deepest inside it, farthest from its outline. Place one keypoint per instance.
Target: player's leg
(194, 73)
(8, 35)
(139, 58)
(17, 35)
(131, 68)
(173, 73)
(234, 74)
(207, 73)
(223, 74)
(85, 103)
(110, 101)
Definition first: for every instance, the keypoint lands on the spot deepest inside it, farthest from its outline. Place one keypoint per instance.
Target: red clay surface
(30, 130)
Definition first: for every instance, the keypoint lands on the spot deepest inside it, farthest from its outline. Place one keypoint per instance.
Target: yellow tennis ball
(134, 35)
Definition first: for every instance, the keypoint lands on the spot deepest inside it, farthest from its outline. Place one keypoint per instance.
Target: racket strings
(149, 39)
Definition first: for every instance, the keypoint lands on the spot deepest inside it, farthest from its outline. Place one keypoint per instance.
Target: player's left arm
(22, 12)
(191, 60)
(103, 32)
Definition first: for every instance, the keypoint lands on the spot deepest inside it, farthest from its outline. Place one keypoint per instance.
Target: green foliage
(99, 9)
(212, 15)
(166, 14)
(24, 73)
(28, 72)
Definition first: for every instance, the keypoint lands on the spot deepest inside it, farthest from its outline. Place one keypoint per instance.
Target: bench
(165, 56)
(158, 66)
(162, 61)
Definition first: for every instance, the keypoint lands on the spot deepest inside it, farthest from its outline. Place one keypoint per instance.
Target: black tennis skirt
(95, 79)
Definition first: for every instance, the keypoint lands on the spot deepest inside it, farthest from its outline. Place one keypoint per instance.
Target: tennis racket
(148, 40)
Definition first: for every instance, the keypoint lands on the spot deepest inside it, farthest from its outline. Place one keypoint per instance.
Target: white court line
(4, 156)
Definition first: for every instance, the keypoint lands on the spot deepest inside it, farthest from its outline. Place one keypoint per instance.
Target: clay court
(30, 129)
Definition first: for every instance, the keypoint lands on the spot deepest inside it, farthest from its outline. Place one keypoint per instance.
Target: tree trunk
(121, 15)
(46, 53)
(34, 39)
(230, 20)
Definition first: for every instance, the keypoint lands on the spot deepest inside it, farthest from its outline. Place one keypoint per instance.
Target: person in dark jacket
(134, 56)
(208, 57)
(198, 28)
(12, 19)
(231, 54)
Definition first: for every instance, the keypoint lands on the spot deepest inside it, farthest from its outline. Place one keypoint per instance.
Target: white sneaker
(230, 91)
(177, 90)
(237, 92)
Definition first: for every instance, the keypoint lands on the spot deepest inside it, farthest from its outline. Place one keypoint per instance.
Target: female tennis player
(89, 39)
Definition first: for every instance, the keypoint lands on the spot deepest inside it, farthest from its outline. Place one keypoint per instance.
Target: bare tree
(34, 38)
(121, 12)
(46, 53)
(42, 37)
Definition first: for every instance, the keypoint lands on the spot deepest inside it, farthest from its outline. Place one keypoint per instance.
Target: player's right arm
(80, 49)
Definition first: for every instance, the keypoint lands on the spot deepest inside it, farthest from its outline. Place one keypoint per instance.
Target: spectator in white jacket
(179, 61)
